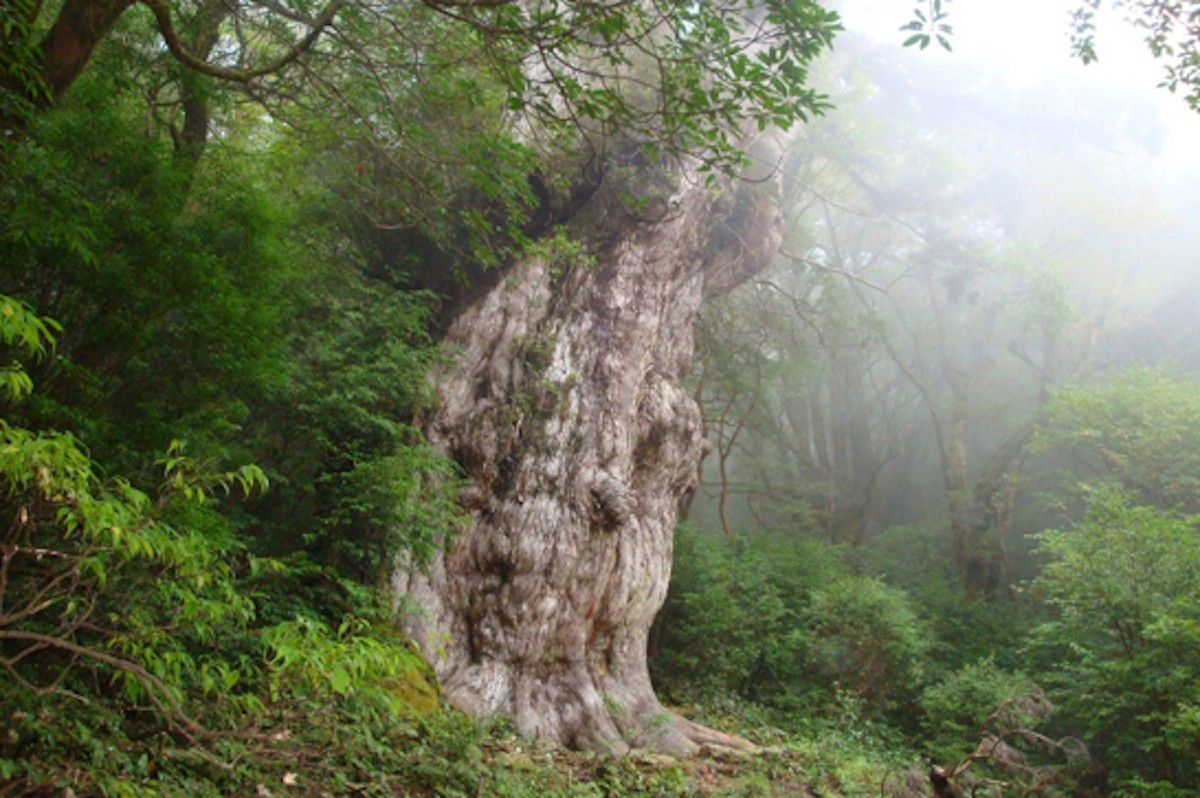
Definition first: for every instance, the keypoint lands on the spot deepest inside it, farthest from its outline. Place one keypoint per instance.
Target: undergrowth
(344, 748)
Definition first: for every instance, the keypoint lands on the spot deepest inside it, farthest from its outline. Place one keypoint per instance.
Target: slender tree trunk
(954, 474)
(194, 88)
(566, 411)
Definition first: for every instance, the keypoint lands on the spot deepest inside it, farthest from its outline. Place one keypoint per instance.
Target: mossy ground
(448, 756)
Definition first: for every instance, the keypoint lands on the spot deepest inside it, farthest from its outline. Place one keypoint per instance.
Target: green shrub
(783, 622)
(1123, 648)
(1135, 429)
(956, 709)
(866, 639)
(729, 626)
(964, 629)
(106, 600)
(132, 659)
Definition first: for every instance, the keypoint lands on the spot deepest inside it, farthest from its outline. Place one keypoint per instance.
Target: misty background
(953, 428)
(968, 232)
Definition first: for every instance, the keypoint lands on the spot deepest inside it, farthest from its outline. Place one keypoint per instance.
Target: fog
(969, 235)
(1026, 42)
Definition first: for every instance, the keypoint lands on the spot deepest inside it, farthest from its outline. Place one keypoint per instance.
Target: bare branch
(158, 692)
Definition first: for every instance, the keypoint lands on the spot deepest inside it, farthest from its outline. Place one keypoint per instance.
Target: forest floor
(767, 771)
(792, 770)
(452, 756)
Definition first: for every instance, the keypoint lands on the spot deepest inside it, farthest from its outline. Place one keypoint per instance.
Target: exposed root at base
(711, 740)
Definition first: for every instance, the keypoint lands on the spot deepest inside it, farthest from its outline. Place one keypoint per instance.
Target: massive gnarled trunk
(564, 408)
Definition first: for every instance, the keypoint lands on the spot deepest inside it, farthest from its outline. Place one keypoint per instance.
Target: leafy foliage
(97, 585)
(930, 23)
(678, 79)
(967, 629)
(1126, 638)
(1134, 430)
(786, 624)
(356, 484)
(1171, 32)
(147, 605)
(99, 229)
(868, 641)
(957, 709)
(146, 598)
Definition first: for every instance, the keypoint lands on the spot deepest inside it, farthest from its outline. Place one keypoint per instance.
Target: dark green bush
(1123, 647)
(867, 640)
(964, 629)
(956, 709)
(785, 623)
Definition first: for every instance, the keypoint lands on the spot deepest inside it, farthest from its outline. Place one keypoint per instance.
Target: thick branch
(68, 46)
(166, 26)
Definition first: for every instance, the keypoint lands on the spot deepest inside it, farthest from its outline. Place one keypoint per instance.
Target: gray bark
(565, 409)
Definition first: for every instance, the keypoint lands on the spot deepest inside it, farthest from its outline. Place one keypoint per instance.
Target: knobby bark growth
(565, 409)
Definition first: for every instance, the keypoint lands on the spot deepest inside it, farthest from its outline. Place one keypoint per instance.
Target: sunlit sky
(1028, 40)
